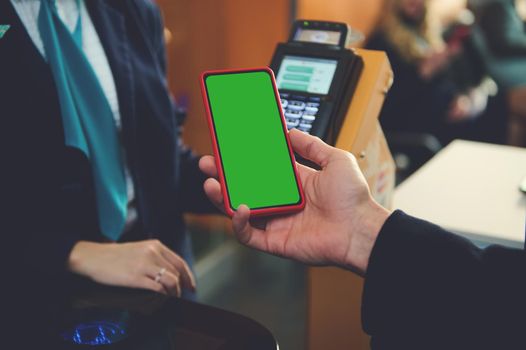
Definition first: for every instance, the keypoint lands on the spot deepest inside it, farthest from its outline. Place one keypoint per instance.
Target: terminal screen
(305, 74)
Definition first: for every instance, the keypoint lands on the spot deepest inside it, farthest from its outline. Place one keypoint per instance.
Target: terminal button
(309, 117)
(291, 123)
(296, 105)
(292, 114)
(305, 127)
(299, 97)
(312, 110)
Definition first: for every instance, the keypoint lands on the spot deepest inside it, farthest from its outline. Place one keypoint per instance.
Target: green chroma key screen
(257, 165)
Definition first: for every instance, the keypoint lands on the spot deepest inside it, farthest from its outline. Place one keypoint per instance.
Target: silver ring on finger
(159, 275)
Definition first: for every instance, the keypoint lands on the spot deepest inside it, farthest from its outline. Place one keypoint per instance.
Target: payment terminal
(316, 76)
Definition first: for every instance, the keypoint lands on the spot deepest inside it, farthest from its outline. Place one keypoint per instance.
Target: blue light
(96, 333)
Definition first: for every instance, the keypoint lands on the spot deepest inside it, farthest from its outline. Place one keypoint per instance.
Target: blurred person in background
(503, 29)
(427, 96)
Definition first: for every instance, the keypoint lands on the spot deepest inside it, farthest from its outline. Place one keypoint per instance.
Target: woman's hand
(145, 264)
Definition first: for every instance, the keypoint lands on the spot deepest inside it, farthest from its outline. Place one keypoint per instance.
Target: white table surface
(471, 189)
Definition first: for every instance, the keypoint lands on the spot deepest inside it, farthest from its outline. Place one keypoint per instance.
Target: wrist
(79, 257)
(362, 236)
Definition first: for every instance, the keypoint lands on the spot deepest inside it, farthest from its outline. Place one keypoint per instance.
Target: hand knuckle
(149, 250)
(151, 247)
(155, 243)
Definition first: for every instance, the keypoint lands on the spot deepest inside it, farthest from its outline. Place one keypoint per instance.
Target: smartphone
(255, 161)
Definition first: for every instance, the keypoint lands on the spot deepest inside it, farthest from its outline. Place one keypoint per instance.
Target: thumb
(311, 148)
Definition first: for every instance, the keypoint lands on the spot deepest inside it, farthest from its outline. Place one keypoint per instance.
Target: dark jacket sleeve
(428, 288)
(193, 197)
(504, 29)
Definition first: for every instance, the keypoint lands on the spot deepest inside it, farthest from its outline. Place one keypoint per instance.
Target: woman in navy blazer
(49, 216)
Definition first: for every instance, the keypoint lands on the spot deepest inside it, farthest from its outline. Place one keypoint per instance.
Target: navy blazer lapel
(17, 41)
(25, 76)
(111, 27)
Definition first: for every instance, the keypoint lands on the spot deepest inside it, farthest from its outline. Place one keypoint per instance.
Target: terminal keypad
(300, 111)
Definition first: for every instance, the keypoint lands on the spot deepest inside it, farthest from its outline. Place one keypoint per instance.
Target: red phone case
(228, 207)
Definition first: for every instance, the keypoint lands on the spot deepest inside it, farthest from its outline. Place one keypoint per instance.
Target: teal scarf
(87, 116)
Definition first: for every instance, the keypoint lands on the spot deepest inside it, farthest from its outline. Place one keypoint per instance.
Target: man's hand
(339, 224)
